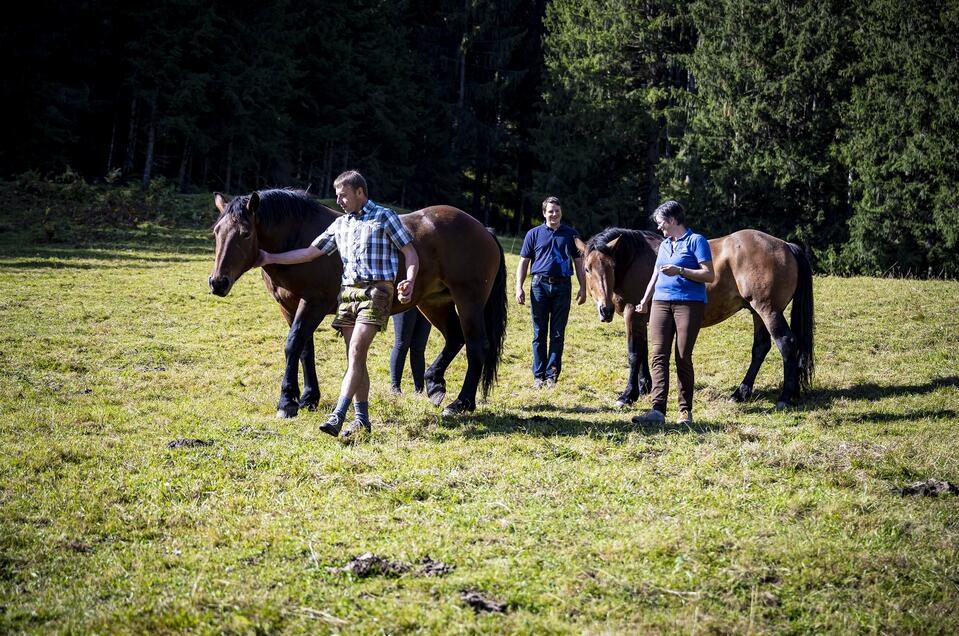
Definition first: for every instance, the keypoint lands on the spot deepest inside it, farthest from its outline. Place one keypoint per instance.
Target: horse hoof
(742, 394)
(285, 415)
(456, 407)
(621, 404)
(437, 397)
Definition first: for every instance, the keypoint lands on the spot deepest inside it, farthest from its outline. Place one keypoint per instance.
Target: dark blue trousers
(549, 308)
(411, 330)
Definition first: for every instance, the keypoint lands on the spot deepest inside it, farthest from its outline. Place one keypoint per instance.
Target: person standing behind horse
(369, 238)
(551, 247)
(411, 330)
(678, 290)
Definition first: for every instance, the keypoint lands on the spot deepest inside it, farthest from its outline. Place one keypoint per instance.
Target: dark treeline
(829, 122)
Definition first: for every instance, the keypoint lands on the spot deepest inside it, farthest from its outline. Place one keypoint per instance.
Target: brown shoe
(685, 417)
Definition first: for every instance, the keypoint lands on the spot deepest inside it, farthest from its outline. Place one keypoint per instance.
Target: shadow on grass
(552, 408)
(875, 417)
(763, 401)
(478, 426)
(83, 262)
(110, 244)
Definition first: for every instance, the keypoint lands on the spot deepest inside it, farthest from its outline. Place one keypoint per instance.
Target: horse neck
(292, 234)
(642, 245)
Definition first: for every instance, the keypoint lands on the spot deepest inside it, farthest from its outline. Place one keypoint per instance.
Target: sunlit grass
(751, 520)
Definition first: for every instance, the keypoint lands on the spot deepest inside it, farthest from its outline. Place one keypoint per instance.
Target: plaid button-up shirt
(369, 242)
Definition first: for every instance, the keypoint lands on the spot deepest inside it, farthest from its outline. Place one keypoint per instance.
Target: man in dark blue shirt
(552, 249)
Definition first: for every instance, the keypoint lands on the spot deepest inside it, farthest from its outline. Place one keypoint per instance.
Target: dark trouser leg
(539, 308)
(421, 334)
(689, 318)
(662, 328)
(559, 316)
(403, 324)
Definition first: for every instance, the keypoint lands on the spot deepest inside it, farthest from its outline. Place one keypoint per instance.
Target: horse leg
(637, 350)
(445, 320)
(301, 331)
(783, 337)
(310, 398)
(761, 345)
(474, 332)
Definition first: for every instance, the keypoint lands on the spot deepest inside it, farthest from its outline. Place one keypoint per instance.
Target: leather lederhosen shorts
(365, 302)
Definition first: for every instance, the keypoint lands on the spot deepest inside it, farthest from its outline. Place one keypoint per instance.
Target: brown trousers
(668, 319)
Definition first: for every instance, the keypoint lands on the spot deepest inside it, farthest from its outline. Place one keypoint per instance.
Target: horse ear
(220, 202)
(254, 203)
(612, 244)
(580, 246)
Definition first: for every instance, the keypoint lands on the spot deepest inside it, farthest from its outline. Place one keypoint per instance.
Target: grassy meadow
(548, 501)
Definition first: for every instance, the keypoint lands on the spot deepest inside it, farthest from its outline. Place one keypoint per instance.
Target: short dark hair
(671, 210)
(549, 200)
(353, 179)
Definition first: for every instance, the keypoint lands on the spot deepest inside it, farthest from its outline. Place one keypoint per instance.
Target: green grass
(750, 521)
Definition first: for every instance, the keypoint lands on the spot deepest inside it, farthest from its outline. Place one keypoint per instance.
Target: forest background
(832, 123)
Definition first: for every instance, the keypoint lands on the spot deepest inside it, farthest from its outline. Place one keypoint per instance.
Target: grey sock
(341, 405)
(362, 411)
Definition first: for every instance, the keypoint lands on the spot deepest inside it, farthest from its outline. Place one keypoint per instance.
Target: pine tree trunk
(327, 170)
(113, 140)
(184, 161)
(151, 141)
(487, 204)
(652, 159)
(229, 166)
(131, 138)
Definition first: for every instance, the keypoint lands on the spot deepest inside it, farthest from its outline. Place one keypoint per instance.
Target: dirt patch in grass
(187, 442)
(929, 488)
(481, 602)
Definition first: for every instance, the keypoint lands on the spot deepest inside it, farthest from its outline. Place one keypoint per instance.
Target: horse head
(601, 276)
(237, 246)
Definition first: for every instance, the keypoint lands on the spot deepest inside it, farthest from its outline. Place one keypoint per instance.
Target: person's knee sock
(341, 405)
(362, 411)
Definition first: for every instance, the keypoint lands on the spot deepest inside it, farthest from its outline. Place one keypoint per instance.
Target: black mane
(632, 240)
(278, 206)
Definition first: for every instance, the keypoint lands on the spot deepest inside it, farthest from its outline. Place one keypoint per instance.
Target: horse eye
(245, 234)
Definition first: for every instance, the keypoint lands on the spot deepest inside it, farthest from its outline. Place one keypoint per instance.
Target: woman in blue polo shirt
(678, 292)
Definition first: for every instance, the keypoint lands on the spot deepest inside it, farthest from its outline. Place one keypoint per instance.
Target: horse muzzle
(605, 312)
(220, 286)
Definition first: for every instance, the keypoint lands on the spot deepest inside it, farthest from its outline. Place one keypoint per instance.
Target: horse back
(752, 268)
(452, 245)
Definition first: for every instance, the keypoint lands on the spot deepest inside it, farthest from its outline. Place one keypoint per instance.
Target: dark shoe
(537, 383)
(395, 390)
(355, 427)
(332, 425)
(652, 416)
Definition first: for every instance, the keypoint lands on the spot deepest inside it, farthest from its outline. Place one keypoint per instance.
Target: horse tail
(494, 315)
(802, 319)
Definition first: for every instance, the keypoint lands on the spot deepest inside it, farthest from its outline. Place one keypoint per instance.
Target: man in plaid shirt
(369, 238)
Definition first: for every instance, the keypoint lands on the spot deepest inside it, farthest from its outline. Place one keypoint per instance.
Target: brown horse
(754, 271)
(460, 287)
